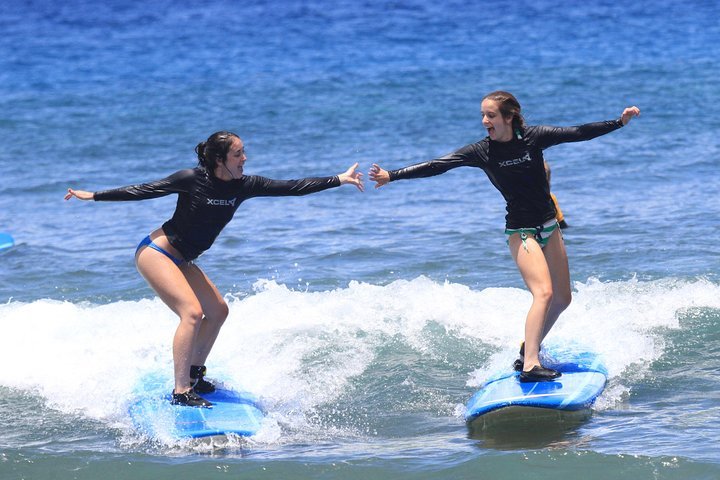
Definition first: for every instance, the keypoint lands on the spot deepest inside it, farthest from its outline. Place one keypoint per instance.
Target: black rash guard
(206, 204)
(516, 168)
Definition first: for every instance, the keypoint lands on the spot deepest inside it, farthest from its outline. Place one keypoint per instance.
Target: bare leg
(213, 306)
(557, 261)
(173, 288)
(535, 272)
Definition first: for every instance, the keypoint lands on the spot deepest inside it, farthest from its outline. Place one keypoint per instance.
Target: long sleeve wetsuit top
(516, 168)
(206, 204)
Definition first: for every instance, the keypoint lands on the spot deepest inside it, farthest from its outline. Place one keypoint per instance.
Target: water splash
(314, 358)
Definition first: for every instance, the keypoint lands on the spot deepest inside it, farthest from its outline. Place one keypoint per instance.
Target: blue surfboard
(233, 412)
(6, 241)
(583, 380)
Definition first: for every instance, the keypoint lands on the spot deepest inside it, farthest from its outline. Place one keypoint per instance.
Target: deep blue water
(364, 321)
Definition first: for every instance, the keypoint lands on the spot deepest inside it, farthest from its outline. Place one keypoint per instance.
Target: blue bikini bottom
(147, 242)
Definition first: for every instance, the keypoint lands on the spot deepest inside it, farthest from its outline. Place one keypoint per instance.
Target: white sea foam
(624, 322)
(300, 350)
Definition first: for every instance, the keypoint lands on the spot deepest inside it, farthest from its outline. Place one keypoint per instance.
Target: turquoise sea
(364, 321)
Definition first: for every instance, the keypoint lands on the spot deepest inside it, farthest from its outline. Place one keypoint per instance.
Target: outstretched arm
(178, 182)
(549, 136)
(258, 186)
(466, 156)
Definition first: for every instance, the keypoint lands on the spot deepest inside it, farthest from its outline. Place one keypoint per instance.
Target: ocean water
(364, 321)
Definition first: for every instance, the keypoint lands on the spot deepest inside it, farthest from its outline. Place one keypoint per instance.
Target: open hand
(352, 177)
(377, 174)
(79, 194)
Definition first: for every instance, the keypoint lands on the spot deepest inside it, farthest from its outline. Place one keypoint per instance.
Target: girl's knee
(223, 313)
(192, 317)
(543, 295)
(218, 314)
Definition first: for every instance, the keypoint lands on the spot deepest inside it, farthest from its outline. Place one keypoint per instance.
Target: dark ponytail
(200, 151)
(214, 150)
(509, 108)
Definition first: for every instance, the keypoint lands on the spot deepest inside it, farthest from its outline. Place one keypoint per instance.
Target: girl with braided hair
(511, 155)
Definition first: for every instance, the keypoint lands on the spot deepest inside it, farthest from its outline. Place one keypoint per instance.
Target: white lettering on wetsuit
(515, 161)
(221, 202)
